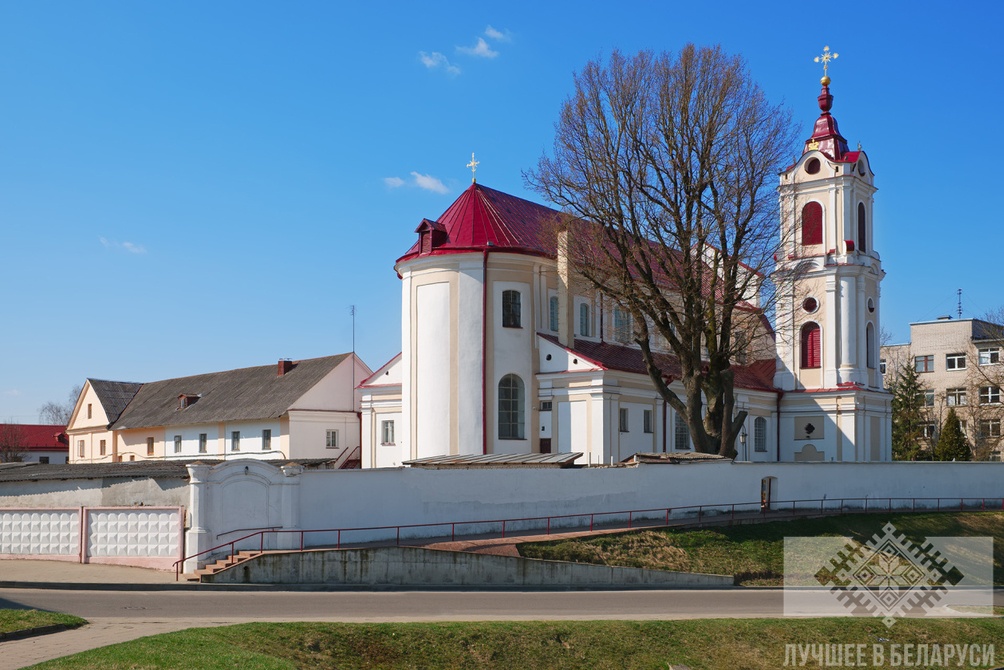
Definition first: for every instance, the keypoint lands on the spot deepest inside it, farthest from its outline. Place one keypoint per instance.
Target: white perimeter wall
(410, 496)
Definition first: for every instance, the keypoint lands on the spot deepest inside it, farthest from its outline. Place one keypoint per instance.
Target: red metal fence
(684, 516)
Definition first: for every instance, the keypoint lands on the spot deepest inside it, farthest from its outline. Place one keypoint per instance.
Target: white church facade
(504, 352)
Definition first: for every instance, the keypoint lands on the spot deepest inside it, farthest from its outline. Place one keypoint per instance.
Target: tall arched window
(812, 223)
(553, 313)
(759, 434)
(862, 228)
(870, 345)
(584, 328)
(811, 351)
(511, 310)
(511, 401)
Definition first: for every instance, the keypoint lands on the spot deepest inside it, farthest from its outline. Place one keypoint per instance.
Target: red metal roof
(826, 136)
(757, 376)
(38, 437)
(483, 218)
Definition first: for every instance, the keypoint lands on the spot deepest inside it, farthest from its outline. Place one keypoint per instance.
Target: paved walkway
(97, 633)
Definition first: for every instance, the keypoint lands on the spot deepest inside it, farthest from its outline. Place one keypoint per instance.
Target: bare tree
(55, 413)
(13, 443)
(673, 160)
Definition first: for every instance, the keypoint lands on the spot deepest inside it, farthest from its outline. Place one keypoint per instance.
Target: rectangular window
(203, 443)
(552, 313)
(266, 439)
(990, 428)
(80, 448)
(928, 398)
(545, 405)
(584, 328)
(760, 434)
(622, 326)
(623, 419)
(149, 446)
(177, 444)
(89, 414)
(387, 432)
(990, 356)
(331, 439)
(927, 430)
(681, 434)
(647, 420)
(955, 361)
(990, 395)
(955, 397)
(235, 440)
(102, 446)
(511, 311)
(882, 366)
(43, 460)
(924, 363)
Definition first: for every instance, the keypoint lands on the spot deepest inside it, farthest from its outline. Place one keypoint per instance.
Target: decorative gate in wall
(147, 537)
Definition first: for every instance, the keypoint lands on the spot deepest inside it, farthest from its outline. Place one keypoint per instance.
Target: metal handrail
(764, 508)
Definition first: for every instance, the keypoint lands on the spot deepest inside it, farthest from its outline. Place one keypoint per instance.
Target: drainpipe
(777, 424)
(484, 351)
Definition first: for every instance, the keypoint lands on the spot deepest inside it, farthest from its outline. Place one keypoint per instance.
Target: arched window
(553, 313)
(870, 345)
(811, 353)
(812, 223)
(584, 328)
(511, 401)
(681, 433)
(511, 312)
(862, 229)
(759, 434)
(622, 325)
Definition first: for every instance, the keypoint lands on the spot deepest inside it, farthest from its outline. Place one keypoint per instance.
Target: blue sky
(198, 186)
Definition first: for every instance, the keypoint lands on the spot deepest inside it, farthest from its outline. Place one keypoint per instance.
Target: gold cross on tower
(825, 59)
(473, 165)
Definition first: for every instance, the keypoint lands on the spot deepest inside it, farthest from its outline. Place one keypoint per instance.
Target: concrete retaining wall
(410, 567)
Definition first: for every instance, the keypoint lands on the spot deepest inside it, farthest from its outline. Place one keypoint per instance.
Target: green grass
(702, 644)
(12, 621)
(754, 553)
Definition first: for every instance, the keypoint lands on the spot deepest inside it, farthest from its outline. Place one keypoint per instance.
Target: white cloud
(429, 183)
(481, 49)
(131, 247)
(497, 35)
(393, 182)
(437, 60)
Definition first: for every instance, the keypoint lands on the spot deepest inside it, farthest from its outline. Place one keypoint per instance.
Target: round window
(810, 305)
(871, 305)
(861, 168)
(812, 166)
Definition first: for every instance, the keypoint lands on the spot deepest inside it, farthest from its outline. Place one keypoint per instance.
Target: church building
(503, 351)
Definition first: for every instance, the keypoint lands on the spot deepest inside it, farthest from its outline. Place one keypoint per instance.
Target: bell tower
(828, 271)
(828, 278)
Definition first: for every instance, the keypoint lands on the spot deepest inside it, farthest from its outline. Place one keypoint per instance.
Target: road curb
(39, 630)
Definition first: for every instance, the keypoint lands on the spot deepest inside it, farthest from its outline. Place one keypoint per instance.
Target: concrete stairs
(222, 564)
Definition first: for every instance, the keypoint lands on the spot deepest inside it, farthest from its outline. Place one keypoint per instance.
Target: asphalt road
(399, 606)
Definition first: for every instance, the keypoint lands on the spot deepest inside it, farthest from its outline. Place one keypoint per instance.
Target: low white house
(296, 409)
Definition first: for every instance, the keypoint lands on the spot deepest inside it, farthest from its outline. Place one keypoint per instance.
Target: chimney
(566, 324)
(285, 365)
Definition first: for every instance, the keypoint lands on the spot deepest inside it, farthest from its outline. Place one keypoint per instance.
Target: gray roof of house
(157, 469)
(114, 396)
(234, 395)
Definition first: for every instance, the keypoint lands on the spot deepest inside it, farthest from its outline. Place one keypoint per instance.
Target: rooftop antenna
(959, 293)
